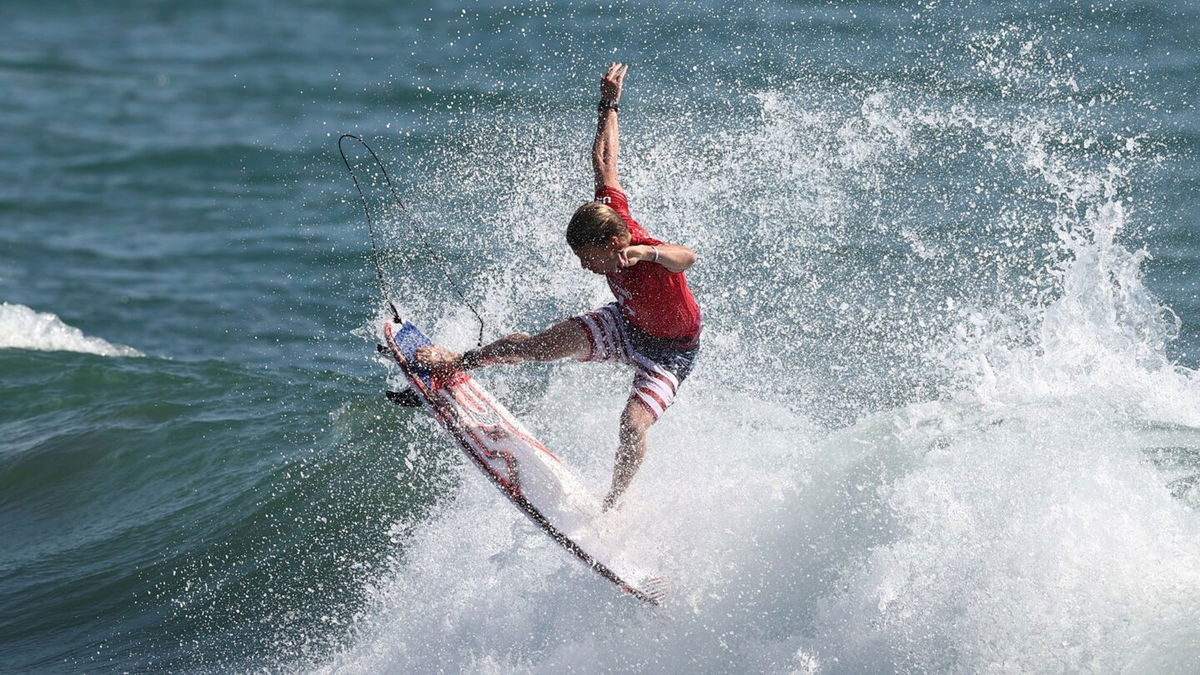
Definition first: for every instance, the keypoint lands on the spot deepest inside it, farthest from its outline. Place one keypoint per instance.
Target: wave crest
(22, 327)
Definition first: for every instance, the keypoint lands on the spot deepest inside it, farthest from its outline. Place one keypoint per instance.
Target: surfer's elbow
(679, 258)
(687, 259)
(605, 171)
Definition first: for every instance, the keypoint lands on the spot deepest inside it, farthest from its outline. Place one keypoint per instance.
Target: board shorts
(661, 365)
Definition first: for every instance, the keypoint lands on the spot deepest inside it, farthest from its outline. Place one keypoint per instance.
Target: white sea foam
(24, 328)
(953, 464)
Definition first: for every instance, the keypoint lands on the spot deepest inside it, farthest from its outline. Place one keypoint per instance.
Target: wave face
(25, 328)
(946, 416)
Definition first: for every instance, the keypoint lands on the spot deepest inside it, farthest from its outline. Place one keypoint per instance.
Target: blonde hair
(594, 224)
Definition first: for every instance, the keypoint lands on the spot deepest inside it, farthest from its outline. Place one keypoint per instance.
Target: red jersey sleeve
(620, 203)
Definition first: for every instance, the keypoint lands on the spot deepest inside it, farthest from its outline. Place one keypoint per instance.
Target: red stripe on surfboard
(510, 426)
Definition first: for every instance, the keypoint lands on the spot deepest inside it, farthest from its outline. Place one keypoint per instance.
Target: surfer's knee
(635, 422)
(564, 339)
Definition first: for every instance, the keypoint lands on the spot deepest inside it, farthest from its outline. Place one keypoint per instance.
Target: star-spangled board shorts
(660, 365)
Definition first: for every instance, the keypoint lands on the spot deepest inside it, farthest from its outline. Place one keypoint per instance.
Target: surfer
(654, 325)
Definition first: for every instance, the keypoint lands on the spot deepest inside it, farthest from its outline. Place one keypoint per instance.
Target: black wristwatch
(606, 104)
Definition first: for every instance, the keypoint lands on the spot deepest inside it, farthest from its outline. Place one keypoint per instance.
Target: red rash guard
(651, 297)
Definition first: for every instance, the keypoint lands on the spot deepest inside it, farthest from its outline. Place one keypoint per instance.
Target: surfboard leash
(375, 255)
(375, 251)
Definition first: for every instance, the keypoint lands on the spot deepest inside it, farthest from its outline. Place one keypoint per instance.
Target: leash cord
(376, 255)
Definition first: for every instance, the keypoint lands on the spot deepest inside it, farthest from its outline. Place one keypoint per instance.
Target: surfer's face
(598, 259)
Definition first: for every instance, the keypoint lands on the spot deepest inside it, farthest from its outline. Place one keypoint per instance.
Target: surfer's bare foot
(438, 358)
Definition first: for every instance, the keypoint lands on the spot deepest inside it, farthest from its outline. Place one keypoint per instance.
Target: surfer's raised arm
(607, 144)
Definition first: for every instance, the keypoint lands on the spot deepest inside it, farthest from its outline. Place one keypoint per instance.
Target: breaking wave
(24, 328)
(934, 427)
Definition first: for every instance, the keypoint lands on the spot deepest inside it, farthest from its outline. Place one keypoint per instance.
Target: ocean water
(947, 417)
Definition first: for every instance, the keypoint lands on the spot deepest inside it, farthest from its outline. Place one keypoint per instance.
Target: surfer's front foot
(438, 358)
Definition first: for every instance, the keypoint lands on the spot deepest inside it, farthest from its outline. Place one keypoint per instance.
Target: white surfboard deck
(524, 470)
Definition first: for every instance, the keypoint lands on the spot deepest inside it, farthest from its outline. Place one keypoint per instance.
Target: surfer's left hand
(612, 82)
(632, 255)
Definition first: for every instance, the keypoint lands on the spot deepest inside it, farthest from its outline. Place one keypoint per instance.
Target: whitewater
(949, 441)
(23, 327)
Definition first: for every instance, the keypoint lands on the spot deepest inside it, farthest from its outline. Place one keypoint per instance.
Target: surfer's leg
(565, 339)
(635, 422)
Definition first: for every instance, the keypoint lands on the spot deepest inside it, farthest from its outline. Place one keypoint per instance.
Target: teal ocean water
(947, 416)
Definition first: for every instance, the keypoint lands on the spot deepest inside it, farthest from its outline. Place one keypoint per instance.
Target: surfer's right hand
(438, 358)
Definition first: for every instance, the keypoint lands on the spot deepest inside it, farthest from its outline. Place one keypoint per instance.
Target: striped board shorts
(660, 365)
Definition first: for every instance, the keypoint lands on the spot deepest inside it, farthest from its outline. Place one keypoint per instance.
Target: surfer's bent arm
(674, 257)
(607, 146)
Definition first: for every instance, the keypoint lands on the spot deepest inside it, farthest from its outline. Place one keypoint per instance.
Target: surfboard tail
(656, 589)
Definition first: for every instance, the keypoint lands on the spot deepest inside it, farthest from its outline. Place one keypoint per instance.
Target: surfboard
(525, 471)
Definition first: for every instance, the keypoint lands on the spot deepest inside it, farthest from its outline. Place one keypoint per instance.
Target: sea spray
(921, 436)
